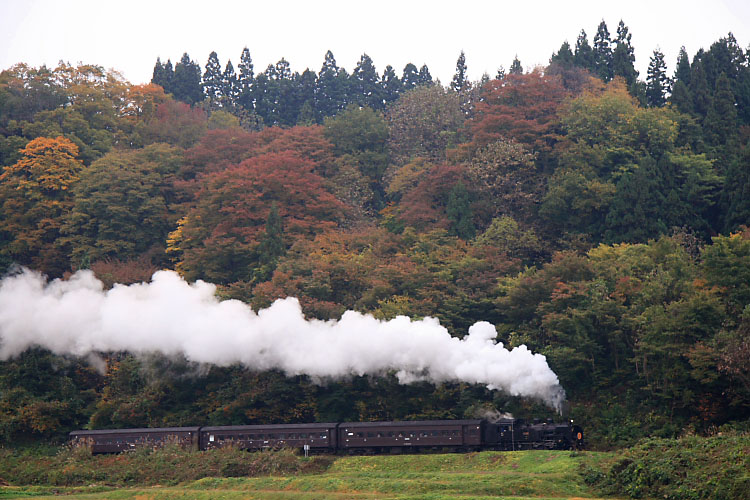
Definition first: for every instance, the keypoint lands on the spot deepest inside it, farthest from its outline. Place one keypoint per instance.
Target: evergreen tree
(699, 89)
(409, 77)
(289, 98)
(425, 78)
(721, 119)
(283, 70)
(458, 210)
(563, 57)
(391, 85)
(682, 69)
(212, 78)
(515, 67)
(186, 84)
(603, 53)
(305, 89)
(680, 98)
(584, 54)
(330, 92)
(623, 57)
(271, 246)
(500, 73)
(657, 81)
(636, 213)
(245, 80)
(163, 75)
(306, 116)
(736, 192)
(229, 87)
(460, 81)
(168, 73)
(366, 84)
(262, 98)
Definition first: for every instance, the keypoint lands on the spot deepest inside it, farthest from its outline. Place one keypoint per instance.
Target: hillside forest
(594, 214)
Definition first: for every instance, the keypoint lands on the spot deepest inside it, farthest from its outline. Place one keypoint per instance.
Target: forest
(598, 216)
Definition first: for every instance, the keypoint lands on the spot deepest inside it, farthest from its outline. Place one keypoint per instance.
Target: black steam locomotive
(349, 437)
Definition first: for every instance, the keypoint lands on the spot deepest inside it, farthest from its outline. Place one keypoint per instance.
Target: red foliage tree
(521, 107)
(220, 236)
(424, 206)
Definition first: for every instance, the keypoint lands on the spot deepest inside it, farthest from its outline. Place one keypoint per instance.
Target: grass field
(511, 475)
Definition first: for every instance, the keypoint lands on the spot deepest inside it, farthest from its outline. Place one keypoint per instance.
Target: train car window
(390, 434)
(360, 435)
(323, 435)
(401, 434)
(412, 434)
(435, 433)
(380, 435)
(303, 435)
(472, 432)
(445, 433)
(370, 434)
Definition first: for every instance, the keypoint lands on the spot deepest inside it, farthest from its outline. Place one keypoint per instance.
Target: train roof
(413, 423)
(133, 431)
(274, 427)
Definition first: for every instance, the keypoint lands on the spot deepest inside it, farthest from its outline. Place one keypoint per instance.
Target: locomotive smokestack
(173, 317)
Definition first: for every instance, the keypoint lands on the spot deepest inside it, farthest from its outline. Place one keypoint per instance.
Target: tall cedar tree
(603, 52)
(680, 97)
(721, 120)
(245, 80)
(186, 85)
(657, 81)
(515, 67)
(391, 85)
(331, 89)
(409, 77)
(584, 54)
(699, 89)
(563, 57)
(163, 74)
(425, 78)
(460, 82)
(212, 86)
(367, 89)
(623, 56)
(229, 87)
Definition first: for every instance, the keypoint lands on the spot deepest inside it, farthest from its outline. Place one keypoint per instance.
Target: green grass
(537, 474)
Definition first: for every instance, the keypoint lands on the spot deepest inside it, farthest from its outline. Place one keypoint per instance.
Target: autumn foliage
(600, 229)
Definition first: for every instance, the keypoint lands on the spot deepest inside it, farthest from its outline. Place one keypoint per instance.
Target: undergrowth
(168, 465)
(689, 468)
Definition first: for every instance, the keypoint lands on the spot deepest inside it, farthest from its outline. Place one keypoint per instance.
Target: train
(349, 437)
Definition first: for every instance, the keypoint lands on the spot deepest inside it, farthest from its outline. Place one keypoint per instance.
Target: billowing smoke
(171, 317)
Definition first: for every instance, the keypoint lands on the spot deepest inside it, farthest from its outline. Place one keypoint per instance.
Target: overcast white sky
(129, 35)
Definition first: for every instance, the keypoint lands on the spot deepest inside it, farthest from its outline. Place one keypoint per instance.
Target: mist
(175, 318)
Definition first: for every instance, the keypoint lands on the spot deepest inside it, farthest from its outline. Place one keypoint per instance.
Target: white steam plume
(173, 317)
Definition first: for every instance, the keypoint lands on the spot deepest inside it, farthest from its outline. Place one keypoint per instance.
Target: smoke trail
(172, 317)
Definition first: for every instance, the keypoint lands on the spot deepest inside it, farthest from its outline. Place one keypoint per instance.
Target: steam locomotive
(349, 437)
